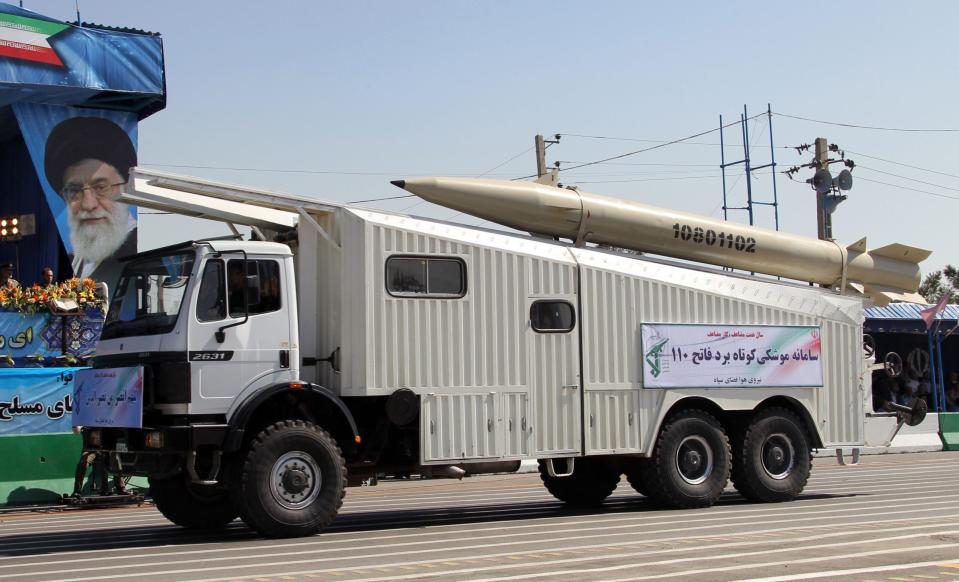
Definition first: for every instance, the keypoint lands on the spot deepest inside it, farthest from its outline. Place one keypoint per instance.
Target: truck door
(554, 374)
(255, 353)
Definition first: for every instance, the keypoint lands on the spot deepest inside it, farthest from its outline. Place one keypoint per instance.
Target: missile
(884, 274)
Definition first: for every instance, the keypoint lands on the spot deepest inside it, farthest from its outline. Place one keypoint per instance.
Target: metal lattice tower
(749, 169)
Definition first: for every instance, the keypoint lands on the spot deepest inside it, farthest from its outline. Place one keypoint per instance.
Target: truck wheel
(691, 462)
(590, 483)
(293, 480)
(638, 476)
(192, 506)
(772, 460)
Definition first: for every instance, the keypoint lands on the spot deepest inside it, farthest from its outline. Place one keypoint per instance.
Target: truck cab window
(260, 287)
(425, 277)
(211, 302)
(552, 316)
(149, 295)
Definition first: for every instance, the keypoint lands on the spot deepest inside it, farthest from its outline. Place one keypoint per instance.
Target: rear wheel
(691, 462)
(293, 480)
(772, 460)
(638, 476)
(592, 481)
(192, 506)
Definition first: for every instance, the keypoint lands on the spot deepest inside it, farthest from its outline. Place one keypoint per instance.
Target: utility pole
(541, 145)
(540, 156)
(822, 163)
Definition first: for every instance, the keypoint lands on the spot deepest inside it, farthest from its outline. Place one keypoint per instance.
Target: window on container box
(425, 277)
(552, 316)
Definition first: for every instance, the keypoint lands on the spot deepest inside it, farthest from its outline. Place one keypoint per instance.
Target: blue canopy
(43, 60)
(904, 318)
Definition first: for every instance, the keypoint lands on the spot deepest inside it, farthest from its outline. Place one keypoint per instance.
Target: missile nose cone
(399, 183)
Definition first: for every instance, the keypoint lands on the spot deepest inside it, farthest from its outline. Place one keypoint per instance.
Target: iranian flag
(28, 39)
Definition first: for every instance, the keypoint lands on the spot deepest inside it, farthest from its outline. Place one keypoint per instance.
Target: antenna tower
(749, 169)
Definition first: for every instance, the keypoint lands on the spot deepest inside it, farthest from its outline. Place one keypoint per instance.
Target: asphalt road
(893, 518)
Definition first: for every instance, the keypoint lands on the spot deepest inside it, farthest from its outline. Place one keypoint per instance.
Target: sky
(335, 99)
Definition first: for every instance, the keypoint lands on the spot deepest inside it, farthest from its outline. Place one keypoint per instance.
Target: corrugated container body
(493, 387)
(621, 293)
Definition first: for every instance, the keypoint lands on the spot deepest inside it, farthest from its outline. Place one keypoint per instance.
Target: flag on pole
(929, 314)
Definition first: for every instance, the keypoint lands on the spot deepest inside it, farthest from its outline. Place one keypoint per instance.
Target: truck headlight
(154, 440)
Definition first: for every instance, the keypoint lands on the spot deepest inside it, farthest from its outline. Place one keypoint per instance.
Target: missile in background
(884, 274)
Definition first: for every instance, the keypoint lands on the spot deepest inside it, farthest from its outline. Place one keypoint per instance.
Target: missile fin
(902, 252)
(859, 246)
(893, 294)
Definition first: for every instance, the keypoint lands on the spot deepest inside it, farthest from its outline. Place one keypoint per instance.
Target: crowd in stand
(909, 387)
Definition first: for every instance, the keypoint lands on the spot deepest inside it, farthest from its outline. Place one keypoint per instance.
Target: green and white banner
(28, 39)
(702, 356)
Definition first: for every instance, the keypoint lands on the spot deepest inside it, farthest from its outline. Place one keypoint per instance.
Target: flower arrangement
(36, 299)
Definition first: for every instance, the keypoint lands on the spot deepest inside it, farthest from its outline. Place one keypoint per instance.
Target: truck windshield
(148, 297)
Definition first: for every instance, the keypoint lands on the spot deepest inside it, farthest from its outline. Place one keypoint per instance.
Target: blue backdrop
(36, 400)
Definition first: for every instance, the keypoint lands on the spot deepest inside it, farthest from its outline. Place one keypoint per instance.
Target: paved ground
(894, 518)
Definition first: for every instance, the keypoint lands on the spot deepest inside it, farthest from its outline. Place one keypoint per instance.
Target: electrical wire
(647, 164)
(873, 127)
(936, 194)
(496, 167)
(640, 151)
(379, 199)
(900, 164)
(860, 166)
(713, 176)
(272, 170)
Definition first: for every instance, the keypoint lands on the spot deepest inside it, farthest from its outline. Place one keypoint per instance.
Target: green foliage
(935, 284)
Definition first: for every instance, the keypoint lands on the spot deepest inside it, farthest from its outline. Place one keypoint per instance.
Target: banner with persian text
(109, 397)
(36, 400)
(702, 356)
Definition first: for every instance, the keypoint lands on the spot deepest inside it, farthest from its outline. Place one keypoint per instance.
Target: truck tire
(691, 462)
(192, 506)
(590, 483)
(772, 459)
(638, 476)
(292, 481)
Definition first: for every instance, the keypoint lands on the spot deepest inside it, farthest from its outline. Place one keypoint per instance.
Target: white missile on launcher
(884, 274)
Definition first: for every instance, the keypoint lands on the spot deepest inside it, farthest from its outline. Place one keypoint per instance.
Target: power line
(655, 147)
(498, 166)
(901, 164)
(713, 176)
(527, 150)
(647, 164)
(907, 178)
(936, 194)
(873, 127)
(273, 170)
(379, 199)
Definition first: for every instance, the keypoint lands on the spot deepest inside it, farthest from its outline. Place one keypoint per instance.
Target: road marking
(629, 555)
(631, 521)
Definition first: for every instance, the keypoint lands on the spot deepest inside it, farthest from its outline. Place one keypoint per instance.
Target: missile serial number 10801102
(710, 238)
